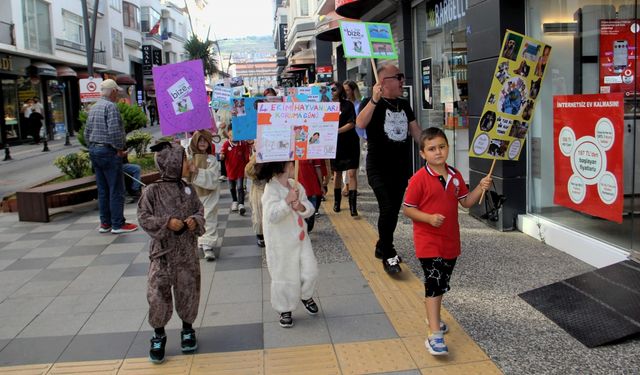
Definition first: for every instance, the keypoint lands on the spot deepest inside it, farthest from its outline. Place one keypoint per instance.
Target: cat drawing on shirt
(396, 125)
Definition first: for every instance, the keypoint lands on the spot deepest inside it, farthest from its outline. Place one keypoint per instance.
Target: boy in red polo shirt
(236, 156)
(431, 201)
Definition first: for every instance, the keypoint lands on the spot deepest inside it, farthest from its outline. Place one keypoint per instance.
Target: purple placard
(182, 99)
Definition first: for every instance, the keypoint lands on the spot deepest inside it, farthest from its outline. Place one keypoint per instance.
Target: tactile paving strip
(81, 368)
(312, 360)
(177, 365)
(25, 370)
(374, 357)
(476, 368)
(236, 363)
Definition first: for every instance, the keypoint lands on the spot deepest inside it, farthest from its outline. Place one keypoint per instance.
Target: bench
(33, 204)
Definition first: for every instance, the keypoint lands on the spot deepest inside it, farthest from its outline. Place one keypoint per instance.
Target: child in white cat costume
(290, 258)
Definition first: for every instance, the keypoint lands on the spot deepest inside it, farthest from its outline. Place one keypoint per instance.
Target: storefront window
(594, 47)
(11, 108)
(441, 76)
(55, 95)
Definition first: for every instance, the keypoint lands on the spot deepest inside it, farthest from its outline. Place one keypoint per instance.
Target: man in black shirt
(390, 125)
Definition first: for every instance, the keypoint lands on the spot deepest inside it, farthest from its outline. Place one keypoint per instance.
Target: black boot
(353, 199)
(337, 193)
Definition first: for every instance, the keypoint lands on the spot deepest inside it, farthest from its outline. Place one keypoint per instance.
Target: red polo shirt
(236, 157)
(308, 178)
(431, 193)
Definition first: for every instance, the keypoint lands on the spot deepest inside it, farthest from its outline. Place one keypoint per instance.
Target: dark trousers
(389, 191)
(237, 190)
(311, 220)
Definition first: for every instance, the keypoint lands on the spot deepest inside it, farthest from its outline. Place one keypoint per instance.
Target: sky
(239, 18)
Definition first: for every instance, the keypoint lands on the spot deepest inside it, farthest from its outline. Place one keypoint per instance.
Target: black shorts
(344, 164)
(437, 273)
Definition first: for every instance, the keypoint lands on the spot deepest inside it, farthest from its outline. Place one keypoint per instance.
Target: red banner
(588, 153)
(618, 56)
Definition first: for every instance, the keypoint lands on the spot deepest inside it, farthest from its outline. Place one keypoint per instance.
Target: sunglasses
(399, 77)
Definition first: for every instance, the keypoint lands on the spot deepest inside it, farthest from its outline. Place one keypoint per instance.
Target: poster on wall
(426, 86)
(510, 104)
(244, 115)
(297, 131)
(368, 40)
(618, 56)
(182, 97)
(588, 153)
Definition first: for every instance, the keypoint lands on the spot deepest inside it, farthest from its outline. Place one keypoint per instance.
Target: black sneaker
(392, 265)
(261, 242)
(188, 342)
(156, 353)
(380, 255)
(310, 305)
(286, 321)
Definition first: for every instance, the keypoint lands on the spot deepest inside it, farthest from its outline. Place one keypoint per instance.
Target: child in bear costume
(290, 259)
(171, 213)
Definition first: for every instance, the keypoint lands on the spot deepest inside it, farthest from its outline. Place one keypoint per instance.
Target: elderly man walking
(105, 135)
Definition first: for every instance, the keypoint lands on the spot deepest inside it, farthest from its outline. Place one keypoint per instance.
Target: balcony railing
(100, 57)
(7, 33)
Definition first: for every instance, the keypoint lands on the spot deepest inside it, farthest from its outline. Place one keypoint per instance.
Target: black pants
(237, 190)
(311, 220)
(389, 191)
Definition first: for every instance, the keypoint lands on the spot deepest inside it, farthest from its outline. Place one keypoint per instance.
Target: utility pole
(89, 34)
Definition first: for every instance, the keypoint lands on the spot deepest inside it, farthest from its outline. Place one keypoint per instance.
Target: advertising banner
(512, 98)
(426, 83)
(618, 56)
(588, 153)
(297, 131)
(244, 115)
(90, 89)
(182, 97)
(368, 40)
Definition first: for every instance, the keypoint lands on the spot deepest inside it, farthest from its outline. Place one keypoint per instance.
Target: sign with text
(182, 97)
(221, 98)
(368, 40)
(618, 56)
(309, 94)
(297, 131)
(244, 115)
(426, 83)
(512, 98)
(588, 153)
(90, 89)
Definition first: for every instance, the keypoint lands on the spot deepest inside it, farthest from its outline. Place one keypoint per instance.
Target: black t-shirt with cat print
(389, 139)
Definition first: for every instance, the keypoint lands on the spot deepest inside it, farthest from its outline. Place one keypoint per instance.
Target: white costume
(207, 180)
(290, 259)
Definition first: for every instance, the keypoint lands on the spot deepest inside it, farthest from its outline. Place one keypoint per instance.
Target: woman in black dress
(348, 150)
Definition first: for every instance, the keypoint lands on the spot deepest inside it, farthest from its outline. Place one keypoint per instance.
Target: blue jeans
(110, 181)
(133, 170)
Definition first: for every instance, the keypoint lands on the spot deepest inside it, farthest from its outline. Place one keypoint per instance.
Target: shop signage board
(244, 115)
(618, 56)
(90, 89)
(510, 104)
(440, 13)
(426, 83)
(588, 153)
(368, 40)
(182, 99)
(297, 131)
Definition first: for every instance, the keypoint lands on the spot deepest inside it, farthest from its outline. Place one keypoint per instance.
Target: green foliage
(80, 134)
(74, 165)
(132, 116)
(139, 141)
(202, 49)
(166, 138)
(146, 162)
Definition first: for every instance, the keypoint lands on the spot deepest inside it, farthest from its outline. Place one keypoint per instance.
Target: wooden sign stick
(375, 70)
(490, 173)
(296, 167)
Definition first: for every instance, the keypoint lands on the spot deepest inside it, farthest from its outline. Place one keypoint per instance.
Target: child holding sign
(290, 258)
(431, 202)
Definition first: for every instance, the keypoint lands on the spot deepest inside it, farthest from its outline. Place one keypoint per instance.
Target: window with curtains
(73, 27)
(116, 4)
(149, 18)
(116, 44)
(37, 26)
(130, 15)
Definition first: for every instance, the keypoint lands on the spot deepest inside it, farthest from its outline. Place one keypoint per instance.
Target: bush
(139, 141)
(74, 165)
(132, 116)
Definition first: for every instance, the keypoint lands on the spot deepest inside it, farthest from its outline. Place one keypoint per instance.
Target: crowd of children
(181, 217)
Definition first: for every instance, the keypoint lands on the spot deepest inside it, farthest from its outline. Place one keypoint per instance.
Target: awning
(65, 71)
(328, 27)
(41, 69)
(354, 8)
(124, 79)
(83, 74)
(294, 69)
(304, 57)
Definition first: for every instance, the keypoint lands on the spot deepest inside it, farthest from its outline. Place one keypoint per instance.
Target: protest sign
(182, 97)
(244, 114)
(368, 40)
(511, 101)
(221, 97)
(297, 131)
(588, 153)
(308, 94)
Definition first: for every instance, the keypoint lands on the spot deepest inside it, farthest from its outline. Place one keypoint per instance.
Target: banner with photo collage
(244, 115)
(297, 131)
(511, 102)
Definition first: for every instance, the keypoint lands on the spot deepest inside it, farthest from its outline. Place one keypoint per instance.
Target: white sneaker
(234, 206)
(241, 209)
(208, 253)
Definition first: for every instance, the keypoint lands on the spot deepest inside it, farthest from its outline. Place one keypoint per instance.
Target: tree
(199, 49)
